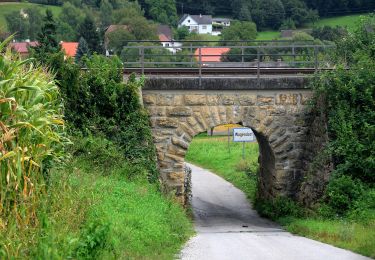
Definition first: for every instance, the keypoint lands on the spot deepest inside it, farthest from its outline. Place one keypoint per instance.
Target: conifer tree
(89, 32)
(83, 49)
(47, 42)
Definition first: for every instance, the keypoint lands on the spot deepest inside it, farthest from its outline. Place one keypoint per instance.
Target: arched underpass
(276, 109)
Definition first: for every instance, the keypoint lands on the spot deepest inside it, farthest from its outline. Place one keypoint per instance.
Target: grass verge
(101, 211)
(355, 236)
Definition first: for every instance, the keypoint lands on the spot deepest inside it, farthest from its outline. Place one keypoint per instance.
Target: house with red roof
(166, 39)
(70, 48)
(210, 54)
(22, 47)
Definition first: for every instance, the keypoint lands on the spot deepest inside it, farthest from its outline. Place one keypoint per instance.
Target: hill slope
(6, 8)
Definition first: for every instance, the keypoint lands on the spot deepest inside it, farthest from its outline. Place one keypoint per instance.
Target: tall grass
(31, 127)
(100, 208)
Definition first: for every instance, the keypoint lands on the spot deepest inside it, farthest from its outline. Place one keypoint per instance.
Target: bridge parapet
(271, 82)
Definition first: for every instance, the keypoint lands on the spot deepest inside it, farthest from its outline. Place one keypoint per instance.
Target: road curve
(228, 228)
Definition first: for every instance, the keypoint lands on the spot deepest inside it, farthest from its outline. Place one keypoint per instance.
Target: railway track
(221, 71)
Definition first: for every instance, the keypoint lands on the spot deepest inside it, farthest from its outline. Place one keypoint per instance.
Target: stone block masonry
(280, 118)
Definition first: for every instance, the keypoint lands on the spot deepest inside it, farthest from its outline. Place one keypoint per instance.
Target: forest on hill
(265, 13)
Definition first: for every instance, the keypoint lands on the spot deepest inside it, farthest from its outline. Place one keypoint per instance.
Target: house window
(167, 44)
(188, 21)
(204, 27)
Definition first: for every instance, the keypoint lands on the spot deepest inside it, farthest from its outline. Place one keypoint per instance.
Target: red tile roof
(217, 52)
(22, 47)
(164, 38)
(70, 48)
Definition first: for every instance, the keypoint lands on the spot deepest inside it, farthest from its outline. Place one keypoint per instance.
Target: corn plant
(31, 136)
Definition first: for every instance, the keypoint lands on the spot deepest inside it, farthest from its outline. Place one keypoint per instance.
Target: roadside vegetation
(78, 171)
(345, 215)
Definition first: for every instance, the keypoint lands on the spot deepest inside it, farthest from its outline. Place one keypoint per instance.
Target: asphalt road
(228, 228)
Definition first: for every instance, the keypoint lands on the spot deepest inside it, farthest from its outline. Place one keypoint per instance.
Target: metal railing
(225, 57)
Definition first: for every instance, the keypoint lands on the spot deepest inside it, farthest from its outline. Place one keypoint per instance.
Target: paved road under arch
(228, 228)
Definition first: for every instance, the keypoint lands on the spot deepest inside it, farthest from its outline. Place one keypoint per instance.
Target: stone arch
(277, 121)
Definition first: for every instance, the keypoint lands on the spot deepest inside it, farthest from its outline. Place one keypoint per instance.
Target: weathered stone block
(180, 111)
(160, 139)
(248, 100)
(212, 100)
(227, 100)
(173, 157)
(278, 111)
(222, 114)
(160, 156)
(167, 122)
(249, 111)
(206, 115)
(177, 176)
(195, 100)
(200, 120)
(180, 143)
(178, 100)
(165, 100)
(265, 100)
(287, 99)
(156, 111)
(215, 115)
(149, 99)
(176, 150)
(188, 130)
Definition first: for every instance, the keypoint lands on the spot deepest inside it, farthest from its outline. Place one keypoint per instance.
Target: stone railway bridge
(289, 132)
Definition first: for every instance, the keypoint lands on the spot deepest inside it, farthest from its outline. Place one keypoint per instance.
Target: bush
(94, 238)
(278, 208)
(328, 33)
(250, 168)
(98, 102)
(342, 192)
(364, 208)
(288, 24)
(349, 94)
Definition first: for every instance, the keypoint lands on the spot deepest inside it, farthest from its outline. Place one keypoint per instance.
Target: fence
(225, 57)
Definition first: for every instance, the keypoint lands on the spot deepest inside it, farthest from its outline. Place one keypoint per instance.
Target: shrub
(98, 102)
(349, 94)
(93, 239)
(278, 208)
(250, 168)
(364, 208)
(342, 192)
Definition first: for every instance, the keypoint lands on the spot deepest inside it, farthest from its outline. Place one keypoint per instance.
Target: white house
(221, 22)
(201, 24)
(218, 24)
(170, 44)
(166, 40)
